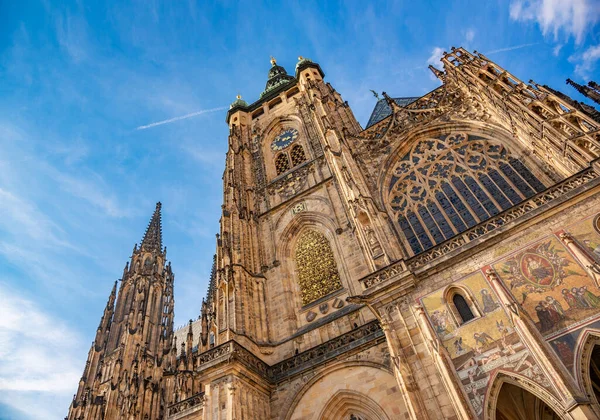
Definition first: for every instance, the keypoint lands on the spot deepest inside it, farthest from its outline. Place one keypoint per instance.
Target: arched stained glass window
(447, 185)
(461, 305)
(317, 271)
(282, 163)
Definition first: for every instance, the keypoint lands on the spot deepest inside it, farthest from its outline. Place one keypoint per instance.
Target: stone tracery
(446, 185)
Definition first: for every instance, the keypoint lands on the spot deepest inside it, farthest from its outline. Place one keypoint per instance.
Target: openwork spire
(153, 237)
(581, 106)
(585, 91)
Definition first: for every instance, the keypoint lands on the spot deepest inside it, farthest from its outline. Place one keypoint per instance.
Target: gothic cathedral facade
(443, 262)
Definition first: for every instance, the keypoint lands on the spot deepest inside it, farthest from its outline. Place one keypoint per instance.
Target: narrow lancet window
(461, 305)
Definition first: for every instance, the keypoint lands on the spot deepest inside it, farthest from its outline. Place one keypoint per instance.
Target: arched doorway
(351, 405)
(516, 403)
(594, 370)
(347, 390)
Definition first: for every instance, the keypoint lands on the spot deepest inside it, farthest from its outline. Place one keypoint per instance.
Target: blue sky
(79, 179)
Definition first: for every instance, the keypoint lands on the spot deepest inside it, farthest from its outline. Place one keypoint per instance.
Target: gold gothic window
(297, 155)
(447, 185)
(282, 163)
(317, 271)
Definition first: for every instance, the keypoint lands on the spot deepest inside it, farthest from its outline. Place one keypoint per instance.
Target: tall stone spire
(153, 237)
(133, 342)
(585, 91)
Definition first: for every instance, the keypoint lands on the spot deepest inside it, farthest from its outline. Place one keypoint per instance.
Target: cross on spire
(153, 237)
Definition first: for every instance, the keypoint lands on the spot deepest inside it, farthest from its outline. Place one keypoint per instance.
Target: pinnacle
(153, 237)
(585, 91)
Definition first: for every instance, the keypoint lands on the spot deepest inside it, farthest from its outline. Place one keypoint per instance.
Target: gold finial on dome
(273, 61)
(300, 58)
(239, 96)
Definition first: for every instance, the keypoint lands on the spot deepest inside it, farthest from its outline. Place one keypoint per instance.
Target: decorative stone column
(409, 390)
(231, 413)
(444, 365)
(582, 255)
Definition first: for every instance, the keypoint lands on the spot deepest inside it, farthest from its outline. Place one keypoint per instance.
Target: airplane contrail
(182, 117)
(514, 47)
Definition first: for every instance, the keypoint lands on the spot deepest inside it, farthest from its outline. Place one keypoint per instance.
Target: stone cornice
(366, 335)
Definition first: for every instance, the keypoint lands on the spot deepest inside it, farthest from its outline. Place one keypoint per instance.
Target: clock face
(283, 140)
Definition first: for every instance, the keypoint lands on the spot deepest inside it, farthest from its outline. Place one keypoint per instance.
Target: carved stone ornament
(292, 183)
(324, 308)
(310, 316)
(299, 208)
(337, 303)
(197, 400)
(374, 245)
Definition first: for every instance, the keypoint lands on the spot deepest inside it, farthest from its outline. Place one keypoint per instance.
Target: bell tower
(292, 186)
(299, 227)
(133, 344)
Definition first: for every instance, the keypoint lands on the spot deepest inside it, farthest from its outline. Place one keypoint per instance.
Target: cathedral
(441, 263)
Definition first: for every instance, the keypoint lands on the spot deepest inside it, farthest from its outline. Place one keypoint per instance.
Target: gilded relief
(550, 285)
(482, 345)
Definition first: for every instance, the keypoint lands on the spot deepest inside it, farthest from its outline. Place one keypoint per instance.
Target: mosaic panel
(550, 285)
(483, 345)
(317, 271)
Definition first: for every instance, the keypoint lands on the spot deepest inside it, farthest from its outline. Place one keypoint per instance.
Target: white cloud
(556, 49)
(586, 62)
(39, 356)
(71, 33)
(90, 190)
(571, 17)
(436, 56)
(470, 35)
(22, 218)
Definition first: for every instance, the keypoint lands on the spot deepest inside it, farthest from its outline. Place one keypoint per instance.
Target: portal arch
(588, 372)
(514, 397)
(347, 403)
(347, 389)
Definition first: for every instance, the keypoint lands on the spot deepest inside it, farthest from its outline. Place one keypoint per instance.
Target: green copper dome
(238, 102)
(302, 60)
